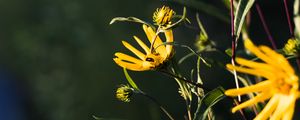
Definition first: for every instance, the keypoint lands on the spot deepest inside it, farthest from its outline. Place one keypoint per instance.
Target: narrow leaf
(199, 80)
(129, 19)
(240, 14)
(209, 100)
(130, 80)
(228, 52)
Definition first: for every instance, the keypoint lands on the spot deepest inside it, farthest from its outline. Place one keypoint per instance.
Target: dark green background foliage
(61, 52)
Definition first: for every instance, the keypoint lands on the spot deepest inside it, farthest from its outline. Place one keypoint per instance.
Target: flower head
(153, 57)
(124, 93)
(292, 47)
(281, 84)
(162, 16)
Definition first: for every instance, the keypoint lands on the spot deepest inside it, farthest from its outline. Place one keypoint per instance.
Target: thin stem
(153, 40)
(233, 45)
(185, 92)
(158, 104)
(232, 17)
(262, 19)
(189, 110)
(241, 111)
(181, 78)
(298, 62)
(288, 18)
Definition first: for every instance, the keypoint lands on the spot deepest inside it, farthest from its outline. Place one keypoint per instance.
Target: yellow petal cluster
(280, 87)
(152, 57)
(162, 16)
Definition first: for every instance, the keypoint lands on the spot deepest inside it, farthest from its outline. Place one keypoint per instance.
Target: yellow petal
(142, 44)
(285, 102)
(253, 64)
(134, 50)
(278, 60)
(255, 50)
(259, 98)
(268, 109)
(261, 86)
(128, 58)
(257, 72)
(130, 66)
(289, 113)
(151, 35)
(169, 39)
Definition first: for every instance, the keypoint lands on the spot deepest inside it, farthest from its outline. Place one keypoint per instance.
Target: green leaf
(204, 7)
(199, 80)
(181, 60)
(209, 100)
(240, 14)
(228, 52)
(129, 19)
(130, 80)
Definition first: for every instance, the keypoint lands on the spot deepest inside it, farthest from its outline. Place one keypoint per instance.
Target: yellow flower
(280, 86)
(162, 16)
(291, 47)
(153, 58)
(124, 93)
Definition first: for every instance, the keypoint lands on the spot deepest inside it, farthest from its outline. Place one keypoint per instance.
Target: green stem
(158, 104)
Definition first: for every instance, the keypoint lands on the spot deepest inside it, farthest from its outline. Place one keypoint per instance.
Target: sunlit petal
(142, 44)
(257, 72)
(130, 66)
(169, 39)
(259, 98)
(125, 57)
(134, 50)
(262, 86)
(268, 109)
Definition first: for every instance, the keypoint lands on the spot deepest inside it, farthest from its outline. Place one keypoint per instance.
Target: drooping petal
(130, 66)
(268, 109)
(134, 50)
(259, 98)
(142, 44)
(128, 58)
(151, 35)
(262, 86)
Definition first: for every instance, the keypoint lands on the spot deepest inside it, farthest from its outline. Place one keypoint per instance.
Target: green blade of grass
(241, 11)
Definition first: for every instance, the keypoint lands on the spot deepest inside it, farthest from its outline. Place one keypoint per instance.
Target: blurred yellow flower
(280, 86)
(153, 58)
(124, 93)
(162, 16)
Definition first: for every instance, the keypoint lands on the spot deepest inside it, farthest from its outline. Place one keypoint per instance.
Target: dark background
(56, 58)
